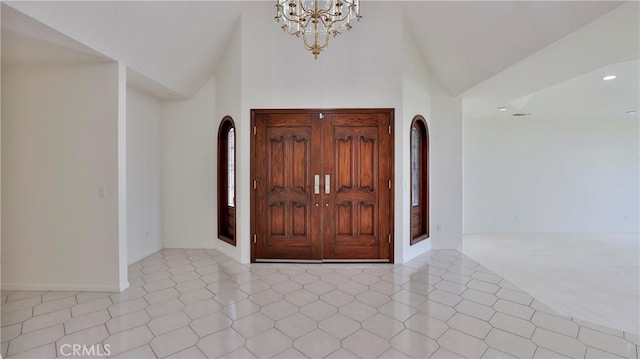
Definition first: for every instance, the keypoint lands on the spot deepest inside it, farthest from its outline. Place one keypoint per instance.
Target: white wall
(121, 109)
(424, 95)
(189, 131)
(189, 158)
(0, 149)
(143, 175)
(266, 68)
(416, 101)
(59, 156)
(228, 103)
(551, 175)
(362, 68)
(446, 171)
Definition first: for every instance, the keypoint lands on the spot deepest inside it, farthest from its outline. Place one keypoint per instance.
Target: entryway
(322, 185)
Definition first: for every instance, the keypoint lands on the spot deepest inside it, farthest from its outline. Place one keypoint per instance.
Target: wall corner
(122, 177)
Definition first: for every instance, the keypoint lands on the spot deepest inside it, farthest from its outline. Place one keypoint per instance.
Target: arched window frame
(226, 205)
(419, 210)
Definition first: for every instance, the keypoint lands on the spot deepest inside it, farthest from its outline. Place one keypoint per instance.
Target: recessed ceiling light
(609, 77)
(632, 112)
(502, 108)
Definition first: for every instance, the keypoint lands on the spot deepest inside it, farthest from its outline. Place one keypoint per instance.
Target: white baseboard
(188, 246)
(229, 251)
(421, 248)
(123, 285)
(220, 246)
(63, 287)
(132, 260)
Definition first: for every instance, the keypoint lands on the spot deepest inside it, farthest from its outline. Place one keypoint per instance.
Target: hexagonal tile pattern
(431, 327)
(253, 325)
(220, 343)
(168, 323)
(268, 344)
(413, 344)
(197, 303)
(173, 342)
(296, 325)
(339, 325)
(317, 344)
(210, 324)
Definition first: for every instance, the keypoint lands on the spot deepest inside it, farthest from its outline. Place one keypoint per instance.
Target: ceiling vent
(520, 114)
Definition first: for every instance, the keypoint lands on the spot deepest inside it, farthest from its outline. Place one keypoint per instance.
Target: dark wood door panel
(355, 220)
(350, 218)
(285, 210)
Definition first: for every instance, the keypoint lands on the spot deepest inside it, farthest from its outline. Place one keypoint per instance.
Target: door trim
(388, 111)
(288, 261)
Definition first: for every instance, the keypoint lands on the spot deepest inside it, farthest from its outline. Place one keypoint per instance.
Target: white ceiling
(27, 41)
(176, 43)
(612, 98)
(583, 97)
(467, 42)
(20, 49)
(476, 48)
(566, 76)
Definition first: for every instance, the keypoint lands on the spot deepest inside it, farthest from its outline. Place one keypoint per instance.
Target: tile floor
(559, 268)
(201, 304)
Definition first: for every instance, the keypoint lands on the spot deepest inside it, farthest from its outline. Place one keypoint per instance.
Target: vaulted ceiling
(468, 45)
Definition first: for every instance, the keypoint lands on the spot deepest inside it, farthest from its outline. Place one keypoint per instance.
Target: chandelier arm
(307, 42)
(316, 24)
(329, 24)
(304, 11)
(308, 12)
(283, 15)
(289, 29)
(315, 48)
(288, 26)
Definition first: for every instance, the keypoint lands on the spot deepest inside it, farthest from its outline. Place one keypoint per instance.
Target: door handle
(316, 184)
(327, 184)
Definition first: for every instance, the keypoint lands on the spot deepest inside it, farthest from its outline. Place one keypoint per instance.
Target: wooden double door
(322, 188)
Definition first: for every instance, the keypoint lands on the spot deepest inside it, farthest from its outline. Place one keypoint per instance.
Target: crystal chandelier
(316, 20)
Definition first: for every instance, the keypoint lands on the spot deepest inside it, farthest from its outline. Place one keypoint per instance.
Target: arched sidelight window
(419, 180)
(226, 181)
